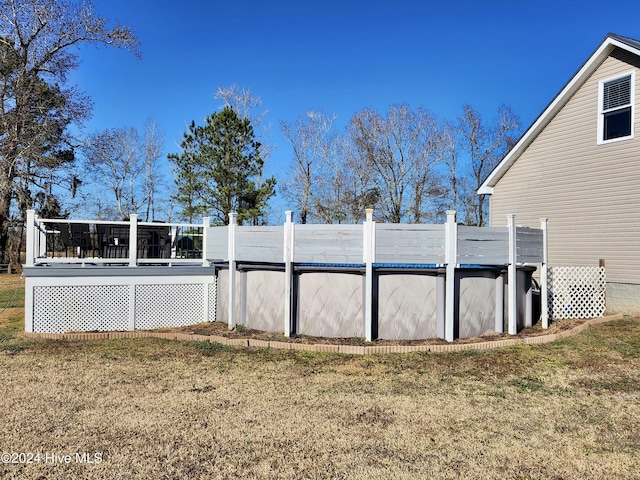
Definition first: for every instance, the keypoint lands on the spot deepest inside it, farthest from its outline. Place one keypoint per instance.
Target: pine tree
(220, 170)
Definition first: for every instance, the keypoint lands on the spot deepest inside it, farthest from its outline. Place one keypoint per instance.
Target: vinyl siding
(589, 192)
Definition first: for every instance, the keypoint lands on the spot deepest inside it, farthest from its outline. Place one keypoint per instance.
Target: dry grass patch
(162, 409)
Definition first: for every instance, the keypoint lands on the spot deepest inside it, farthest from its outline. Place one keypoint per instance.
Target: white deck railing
(62, 241)
(104, 242)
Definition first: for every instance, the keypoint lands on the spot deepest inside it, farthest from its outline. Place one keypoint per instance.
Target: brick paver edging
(348, 349)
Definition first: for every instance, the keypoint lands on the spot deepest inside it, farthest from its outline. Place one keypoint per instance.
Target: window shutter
(617, 93)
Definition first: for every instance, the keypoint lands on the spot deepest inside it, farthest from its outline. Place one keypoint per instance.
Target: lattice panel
(576, 292)
(165, 306)
(80, 308)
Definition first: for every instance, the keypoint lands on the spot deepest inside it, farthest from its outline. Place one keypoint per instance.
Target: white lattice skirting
(125, 303)
(576, 292)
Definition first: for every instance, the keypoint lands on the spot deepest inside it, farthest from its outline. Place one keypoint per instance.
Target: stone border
(346, 349)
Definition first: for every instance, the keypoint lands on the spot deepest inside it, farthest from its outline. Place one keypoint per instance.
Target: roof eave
(592, 63)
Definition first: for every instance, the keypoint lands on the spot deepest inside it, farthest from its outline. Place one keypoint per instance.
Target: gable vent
(617, 93)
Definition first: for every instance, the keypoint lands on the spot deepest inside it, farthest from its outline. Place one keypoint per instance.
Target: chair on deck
(117, 241)
(80, 238)
(57, 239)
(154, 241)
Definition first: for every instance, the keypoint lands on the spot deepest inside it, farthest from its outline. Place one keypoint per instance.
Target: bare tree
(399, 152)
(311, 141)
(332, 200)
(153, 179)
(126, 169)
(446, 145)
(485, 145)
(115, 160)
(346, 187)
(38, 43)
(243, 102)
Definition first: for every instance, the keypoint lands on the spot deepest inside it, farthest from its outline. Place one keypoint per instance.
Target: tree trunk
(6, 187)
(5, 226)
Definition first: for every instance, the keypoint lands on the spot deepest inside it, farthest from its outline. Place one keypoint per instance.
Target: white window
(615, 105)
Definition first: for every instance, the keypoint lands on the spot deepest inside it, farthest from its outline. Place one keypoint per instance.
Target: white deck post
(174, 248)
(287, 257)
(206, 223)
(451, 259)
(231, 254)
(29, 262)
(41, 235)
(368, 257)
(31, 238)
(512, 291)
(28, 304)
(544, 298)
(133, 240)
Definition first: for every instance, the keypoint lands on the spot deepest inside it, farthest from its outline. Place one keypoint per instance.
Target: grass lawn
(150, 408)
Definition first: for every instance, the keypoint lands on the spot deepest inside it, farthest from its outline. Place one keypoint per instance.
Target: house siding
(590, 193)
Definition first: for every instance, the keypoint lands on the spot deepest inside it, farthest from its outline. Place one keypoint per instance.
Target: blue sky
(340, 57)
